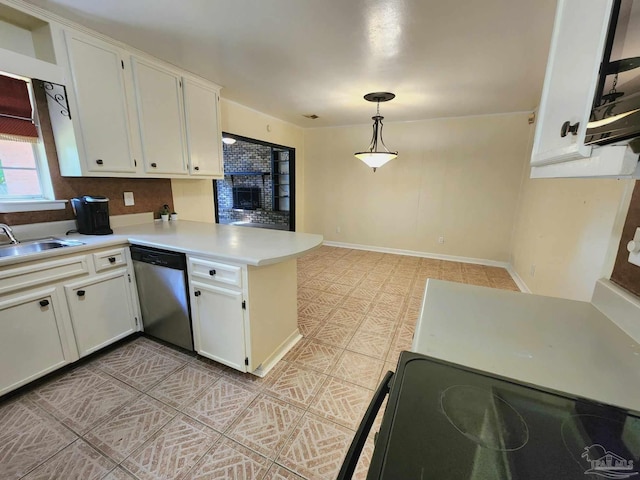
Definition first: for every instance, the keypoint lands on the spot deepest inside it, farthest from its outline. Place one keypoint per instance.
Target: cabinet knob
(99, 161)
(80, 293)
(196, 168)
(44, 303)
(112, 259)
(567, 129)
(212, 272)
(154, 165)
(197, 293)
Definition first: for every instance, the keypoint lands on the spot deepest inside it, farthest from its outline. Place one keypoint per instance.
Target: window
(19, 176)
(25, 183)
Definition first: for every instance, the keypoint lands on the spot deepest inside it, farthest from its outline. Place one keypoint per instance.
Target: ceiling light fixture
(228, 140)
(373, 157)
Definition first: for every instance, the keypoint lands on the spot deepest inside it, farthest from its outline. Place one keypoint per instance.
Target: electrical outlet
(128, 199)
(441, 239)
(532, 270)
(338, 229)
(634, 248)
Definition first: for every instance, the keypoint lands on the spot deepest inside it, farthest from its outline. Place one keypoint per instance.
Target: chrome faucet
(9, 233)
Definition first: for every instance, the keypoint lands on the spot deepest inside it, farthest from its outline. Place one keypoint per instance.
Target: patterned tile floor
(146, 411)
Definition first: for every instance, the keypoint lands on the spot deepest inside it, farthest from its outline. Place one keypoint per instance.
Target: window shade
(16, 113)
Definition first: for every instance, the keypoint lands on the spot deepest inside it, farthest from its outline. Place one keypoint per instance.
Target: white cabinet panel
(161, 118)
(110, 259)
(576, 51)
(208, 271)
(98, 83)
(33, 341)
(202, 114)
(219, 324)
(101, 310)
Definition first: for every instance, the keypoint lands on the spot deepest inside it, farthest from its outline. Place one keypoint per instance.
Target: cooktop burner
(444, 421)
(484, 418)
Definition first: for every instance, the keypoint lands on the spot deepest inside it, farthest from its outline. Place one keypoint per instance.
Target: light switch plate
(635, 257)
(128, 199)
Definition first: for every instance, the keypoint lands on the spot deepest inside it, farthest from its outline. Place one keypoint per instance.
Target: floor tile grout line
(408, 275)
(49, 458)
(176, 413)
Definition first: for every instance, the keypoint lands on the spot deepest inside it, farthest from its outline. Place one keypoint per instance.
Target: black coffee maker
(92, 215)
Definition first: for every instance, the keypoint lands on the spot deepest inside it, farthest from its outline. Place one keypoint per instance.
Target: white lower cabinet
(218, 324)
(34, 337)
(56, 310)
(243, 316)
(101, 310)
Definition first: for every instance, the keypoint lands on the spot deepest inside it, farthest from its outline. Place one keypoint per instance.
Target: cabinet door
(160, 117)
(33, 341)
(101, 310)
(219, 324)
(98, 83)
(576, 51)
(204, 136)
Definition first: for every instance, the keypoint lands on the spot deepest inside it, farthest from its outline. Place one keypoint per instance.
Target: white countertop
(560, 344)
(241, 245)
(251, 246)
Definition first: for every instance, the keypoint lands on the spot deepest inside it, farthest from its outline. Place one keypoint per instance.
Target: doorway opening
(258, 188)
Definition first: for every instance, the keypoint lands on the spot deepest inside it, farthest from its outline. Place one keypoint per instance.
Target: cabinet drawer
(109, 259)
(39, 273)
(215, 273)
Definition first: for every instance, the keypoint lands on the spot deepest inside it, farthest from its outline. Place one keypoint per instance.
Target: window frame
(46, 200)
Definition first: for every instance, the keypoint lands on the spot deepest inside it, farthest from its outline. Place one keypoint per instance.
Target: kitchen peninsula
(242, 287)
(242, 284)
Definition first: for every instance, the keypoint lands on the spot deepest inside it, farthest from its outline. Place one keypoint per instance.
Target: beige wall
(457, 177)
(568, 229)
(193, 199)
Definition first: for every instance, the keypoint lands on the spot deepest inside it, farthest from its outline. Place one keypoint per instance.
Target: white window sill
(12, 206)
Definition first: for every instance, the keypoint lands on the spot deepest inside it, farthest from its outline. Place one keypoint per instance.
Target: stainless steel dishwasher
(161, 277)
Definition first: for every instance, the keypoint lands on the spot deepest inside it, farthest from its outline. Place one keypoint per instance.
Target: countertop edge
(125, 239)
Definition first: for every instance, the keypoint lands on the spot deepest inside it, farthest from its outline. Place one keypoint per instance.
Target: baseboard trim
(279, 353)
(415, 253)
(437, 256)
(518, 279)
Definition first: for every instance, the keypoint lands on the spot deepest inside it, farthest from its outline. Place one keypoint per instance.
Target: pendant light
(372, 157)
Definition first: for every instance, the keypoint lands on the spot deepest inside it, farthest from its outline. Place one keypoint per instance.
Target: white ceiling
(293, 57)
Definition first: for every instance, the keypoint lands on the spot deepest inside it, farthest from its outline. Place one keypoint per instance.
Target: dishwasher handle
(353, 455)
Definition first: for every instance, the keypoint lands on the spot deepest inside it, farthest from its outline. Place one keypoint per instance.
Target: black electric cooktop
(444, 421)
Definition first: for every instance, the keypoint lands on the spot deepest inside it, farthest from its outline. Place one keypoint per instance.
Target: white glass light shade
(376, 159)
(228, 140)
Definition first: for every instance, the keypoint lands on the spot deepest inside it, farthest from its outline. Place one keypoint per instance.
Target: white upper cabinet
(104, 140)
(158, 93)
(131, 115)
(577, 47)
(202, 114)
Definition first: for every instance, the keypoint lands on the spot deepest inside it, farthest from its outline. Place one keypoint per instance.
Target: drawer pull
(196, 168)
(80, 293)
(567, 129)
(212, 272)
(197, 293)
(112, 259)
(99, 161)
(44, 303)
(154, 165)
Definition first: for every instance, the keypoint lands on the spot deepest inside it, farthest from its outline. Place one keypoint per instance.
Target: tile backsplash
(150, 193)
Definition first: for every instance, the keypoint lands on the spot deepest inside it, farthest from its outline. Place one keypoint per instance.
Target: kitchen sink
(34, 246)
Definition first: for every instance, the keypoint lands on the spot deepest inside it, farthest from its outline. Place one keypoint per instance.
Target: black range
(448, 422)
